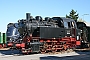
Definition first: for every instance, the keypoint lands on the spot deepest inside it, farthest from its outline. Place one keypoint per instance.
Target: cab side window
(65, 24)
(69, 24)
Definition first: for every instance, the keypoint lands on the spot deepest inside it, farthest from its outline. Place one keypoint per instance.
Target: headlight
(82, 41)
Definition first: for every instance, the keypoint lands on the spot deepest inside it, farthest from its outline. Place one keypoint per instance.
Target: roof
(87, 24)
(66, 19)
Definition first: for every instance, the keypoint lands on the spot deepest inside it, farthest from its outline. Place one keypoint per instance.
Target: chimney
(27, 16)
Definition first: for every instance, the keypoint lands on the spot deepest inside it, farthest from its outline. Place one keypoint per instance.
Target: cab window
(65, 24)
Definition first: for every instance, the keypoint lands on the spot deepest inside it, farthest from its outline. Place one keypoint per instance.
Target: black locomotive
(49, 34)
(37, 27)
(12, 32)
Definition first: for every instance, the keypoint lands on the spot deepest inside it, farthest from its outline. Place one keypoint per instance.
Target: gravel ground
(15, 55)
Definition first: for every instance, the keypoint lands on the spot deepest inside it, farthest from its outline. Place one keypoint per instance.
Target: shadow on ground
(85, 55)
(13, 52)
(9, 52)
(78, 57)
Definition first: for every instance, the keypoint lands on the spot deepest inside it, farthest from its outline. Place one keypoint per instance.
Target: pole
(84, 15)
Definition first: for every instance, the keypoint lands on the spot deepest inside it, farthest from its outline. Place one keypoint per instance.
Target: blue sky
(12, 10)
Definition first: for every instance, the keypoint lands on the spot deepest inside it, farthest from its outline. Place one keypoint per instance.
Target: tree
(81, 20)
(73, 15)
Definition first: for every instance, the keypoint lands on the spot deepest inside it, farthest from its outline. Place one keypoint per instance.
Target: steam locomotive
(12, 32)
(46, 35)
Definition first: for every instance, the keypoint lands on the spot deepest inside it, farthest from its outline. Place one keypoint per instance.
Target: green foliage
(73, 15)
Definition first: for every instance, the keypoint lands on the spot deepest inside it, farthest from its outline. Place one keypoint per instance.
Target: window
(65, 24)
(10, 31)
(69, 25)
